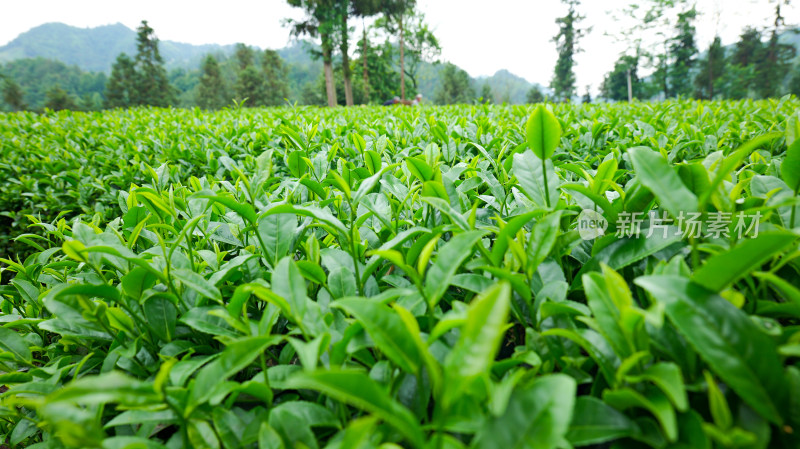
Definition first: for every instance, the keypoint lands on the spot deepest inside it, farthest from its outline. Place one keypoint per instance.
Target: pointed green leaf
(358, 390)
(732, 345)
(657, 175)
(386, 329)
(536, 417)
(543, 132)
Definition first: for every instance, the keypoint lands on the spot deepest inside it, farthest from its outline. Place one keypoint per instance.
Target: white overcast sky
(478, 35)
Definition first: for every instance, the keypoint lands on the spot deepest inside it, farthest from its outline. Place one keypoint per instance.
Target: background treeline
(395, 54)
(662, 42)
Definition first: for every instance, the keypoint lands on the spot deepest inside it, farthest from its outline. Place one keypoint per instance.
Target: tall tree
(249, 81)
(566, 41)
(645, 32)
(660, 76)
(773, 67)
(739, 77)
(90, 102)
(212, 93)
(58, 99)
(342, 14)
(534, 95)
(244, 55)
(794, 83)
(13, 94)
(615, 84)
(276, 88)
(420, 46)
(383, 79)
(683, 50)
(121, 89)
(587, 96)
(396, 12)
(712, 68)
(321, 21)
(364, 9)
(455, 87)
(152, 85)
(486, 95)
(749, 48)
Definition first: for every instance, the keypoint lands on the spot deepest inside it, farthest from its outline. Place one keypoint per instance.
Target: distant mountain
(95, 49)
(507, 87)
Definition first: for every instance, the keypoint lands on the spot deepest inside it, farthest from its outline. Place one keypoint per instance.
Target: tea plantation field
(615, 276)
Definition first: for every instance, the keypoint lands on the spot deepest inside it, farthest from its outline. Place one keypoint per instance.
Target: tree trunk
(710, 77)
(664, 67)
(327, 63)
(630, 87)
(402, 61)
(364, 61)
(343, 46)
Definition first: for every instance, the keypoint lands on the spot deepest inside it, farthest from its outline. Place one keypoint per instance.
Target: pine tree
(250, 86)
(211, 92)
(711, 71)
(383, 79)
(152, 85)
(566, 40)
(121, 86)
(794, 83)
(276, 75)
(364, 9)
(58, 99)
(587, 96)
(90, 102)
(396, 12)
(321, 20)
(749, 49)
(486, 95)
(740, 74)
(773, 67)
(615, 83)
(249, 81)
(683, 50)
(534, 95)
(454, 87)
(13, 94)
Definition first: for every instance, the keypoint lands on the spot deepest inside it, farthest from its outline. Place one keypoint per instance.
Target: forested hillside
(94, 49)
(40, 59)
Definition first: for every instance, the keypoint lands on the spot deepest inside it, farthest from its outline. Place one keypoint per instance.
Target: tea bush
(447, 277)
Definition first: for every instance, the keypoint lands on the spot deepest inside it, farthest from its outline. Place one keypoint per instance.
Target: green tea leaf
(13, 343)
(594, 422)
(656, 174)
(536, 417)
(725, 268)
(790, 167)
(197, 283)
(161, 316)
(735, 349)
(358, 390)
(543, 132)
(386, 329)
(450, 257)
(480, 339)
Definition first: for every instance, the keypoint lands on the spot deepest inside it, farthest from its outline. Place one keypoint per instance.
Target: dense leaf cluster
(398, 277)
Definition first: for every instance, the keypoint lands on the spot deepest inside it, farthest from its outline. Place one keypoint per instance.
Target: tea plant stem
(546, 187)
(263, 361)
(353, 249)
